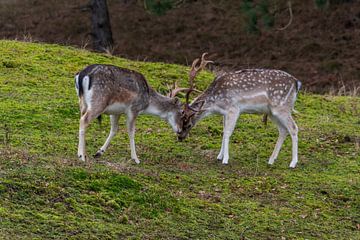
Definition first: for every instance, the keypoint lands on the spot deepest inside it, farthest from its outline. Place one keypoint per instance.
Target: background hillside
(321, 46)
(179, 191)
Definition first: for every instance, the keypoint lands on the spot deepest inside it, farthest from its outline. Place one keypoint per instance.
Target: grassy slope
(179, 190)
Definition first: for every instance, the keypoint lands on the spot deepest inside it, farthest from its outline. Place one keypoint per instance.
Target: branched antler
(175, 90)
(193, 72)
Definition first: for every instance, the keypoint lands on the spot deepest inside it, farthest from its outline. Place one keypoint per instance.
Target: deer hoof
(99, 153)
(82, 158)
(292, 165)
(271, 161)
(137, 161)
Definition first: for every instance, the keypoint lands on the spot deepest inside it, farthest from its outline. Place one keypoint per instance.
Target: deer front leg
(114, 120)
(131, 117)
(229, 123)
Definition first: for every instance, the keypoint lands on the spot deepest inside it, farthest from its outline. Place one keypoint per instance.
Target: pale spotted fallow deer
(272, 92)
(107, 89)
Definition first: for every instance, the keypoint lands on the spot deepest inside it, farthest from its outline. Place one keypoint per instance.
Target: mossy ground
(180, 190)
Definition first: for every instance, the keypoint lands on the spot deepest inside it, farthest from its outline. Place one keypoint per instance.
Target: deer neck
(206, 107)
(213, 103)
(159, 105)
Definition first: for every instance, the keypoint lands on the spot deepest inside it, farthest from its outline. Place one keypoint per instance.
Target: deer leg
(221, 154)
(280, 141)
(229, 123)
(84, 122)
(131, 117)
(293, 130)
(114, 120)
(288, 122)
(82, 106)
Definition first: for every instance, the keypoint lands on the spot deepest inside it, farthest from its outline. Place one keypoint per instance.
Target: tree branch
(290, 20)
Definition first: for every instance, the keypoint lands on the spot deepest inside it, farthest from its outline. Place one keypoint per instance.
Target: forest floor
(320, 47)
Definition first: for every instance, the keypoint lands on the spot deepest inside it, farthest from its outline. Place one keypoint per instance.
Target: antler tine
(187, 97)
(193, 65)
(174, 86)
(175, 90)
(204, 62)
(193, 72)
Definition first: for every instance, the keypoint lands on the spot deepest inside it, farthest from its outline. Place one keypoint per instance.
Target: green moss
(180, 190)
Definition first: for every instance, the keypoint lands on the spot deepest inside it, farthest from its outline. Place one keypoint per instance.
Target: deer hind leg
(130, 122)
(85, 120)
(282, 135)
(229, 123)
(82, 106)
(114, 121)
(288, 122)
(221, 154)
(293, 130)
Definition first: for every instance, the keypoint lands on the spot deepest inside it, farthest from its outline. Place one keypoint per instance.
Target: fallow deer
(107, 89)
(272, 92)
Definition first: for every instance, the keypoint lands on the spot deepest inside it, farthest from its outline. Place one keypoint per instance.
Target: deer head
(189, 112)
(174, 116)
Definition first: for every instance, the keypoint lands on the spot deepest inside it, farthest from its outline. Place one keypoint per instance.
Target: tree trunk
(101, 28)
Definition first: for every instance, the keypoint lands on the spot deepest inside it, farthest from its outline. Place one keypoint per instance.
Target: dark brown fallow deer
(107, 89)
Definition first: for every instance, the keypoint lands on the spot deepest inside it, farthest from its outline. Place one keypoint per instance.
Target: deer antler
(193, 72)
(175, 90)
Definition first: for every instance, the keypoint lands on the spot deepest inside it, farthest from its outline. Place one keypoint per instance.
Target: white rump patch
(87, 93)
(77, 84)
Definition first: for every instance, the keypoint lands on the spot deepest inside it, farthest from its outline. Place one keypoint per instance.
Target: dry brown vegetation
(320, 47)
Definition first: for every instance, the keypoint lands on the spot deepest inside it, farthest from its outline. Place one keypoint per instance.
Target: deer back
(105, 85)
(251, 88)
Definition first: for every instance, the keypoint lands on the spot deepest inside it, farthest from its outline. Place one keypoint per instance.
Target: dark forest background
(320, 45)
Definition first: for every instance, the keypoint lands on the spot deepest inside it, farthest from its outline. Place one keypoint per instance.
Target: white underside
(251, 108)
(116, 108)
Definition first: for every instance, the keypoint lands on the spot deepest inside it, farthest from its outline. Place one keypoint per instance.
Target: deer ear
(177, 101)
(199, 106)
(191, 115)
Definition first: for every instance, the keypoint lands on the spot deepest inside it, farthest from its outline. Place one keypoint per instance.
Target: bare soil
(321, 47)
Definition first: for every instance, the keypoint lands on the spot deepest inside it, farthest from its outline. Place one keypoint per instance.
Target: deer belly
(116, 108)
(258, 108)
(254, 107)
(255, 103)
